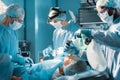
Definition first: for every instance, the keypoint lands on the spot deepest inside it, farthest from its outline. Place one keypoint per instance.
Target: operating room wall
(38, 31)
(7, 3)
(45, 30)
(72, 5)
(30, 25)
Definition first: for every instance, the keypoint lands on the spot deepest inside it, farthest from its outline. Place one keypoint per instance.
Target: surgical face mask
(16, 25)
(57, 25)
(106, 18)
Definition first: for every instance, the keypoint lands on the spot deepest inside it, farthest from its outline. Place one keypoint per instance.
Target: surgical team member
(110, 14)
(64, 30)
(107, 42)
(8, 36)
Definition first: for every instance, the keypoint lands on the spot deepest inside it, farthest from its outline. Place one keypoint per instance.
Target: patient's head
(75, 67)
(72, 65)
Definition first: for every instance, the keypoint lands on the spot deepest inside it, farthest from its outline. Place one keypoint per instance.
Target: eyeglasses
(102, 10)
(108, 9)
(20, 20)
(54, 21)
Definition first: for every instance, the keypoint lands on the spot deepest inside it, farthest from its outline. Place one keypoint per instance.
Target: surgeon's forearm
(110, 38)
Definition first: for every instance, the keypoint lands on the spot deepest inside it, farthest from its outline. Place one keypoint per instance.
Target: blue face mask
(106, 18)
(16, 25)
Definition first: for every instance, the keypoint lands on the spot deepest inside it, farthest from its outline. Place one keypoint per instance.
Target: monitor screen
(88, 16)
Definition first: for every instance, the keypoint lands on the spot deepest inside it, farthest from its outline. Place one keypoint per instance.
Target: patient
(40, 71)
(71, 66)
(54, 68)
(47, 69)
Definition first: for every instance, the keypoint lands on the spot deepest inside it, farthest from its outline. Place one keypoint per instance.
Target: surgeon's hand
(16, 78)
(72, 16)
(47, 53)
(18, 59)
(71, 48)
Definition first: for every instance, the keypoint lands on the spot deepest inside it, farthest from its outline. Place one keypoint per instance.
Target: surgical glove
(18, 59)
(71, 48)
(59, 52)
(47, 53)
(86, 32)
(28, 62)
(72, 16)
(104, 26)
(82, 39)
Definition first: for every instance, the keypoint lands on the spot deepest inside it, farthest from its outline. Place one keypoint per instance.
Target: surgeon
(12, 21)
(105, 45)
(109, 12)
(64, 30)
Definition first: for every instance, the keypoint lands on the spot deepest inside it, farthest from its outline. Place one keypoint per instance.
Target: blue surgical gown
(61, 35)
(9, 44)
(111, 37)
(112, 56)
(110, 40)
(8, 40)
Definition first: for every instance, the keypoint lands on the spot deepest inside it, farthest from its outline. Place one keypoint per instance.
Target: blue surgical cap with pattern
(108, 3)
(14, 10)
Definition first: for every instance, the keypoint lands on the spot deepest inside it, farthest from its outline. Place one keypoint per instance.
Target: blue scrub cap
(57, 14)
(108, 3)
(15, 10)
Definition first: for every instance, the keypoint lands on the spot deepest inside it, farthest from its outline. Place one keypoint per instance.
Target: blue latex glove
(18, 59)
(47, 53)
(71, 48)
